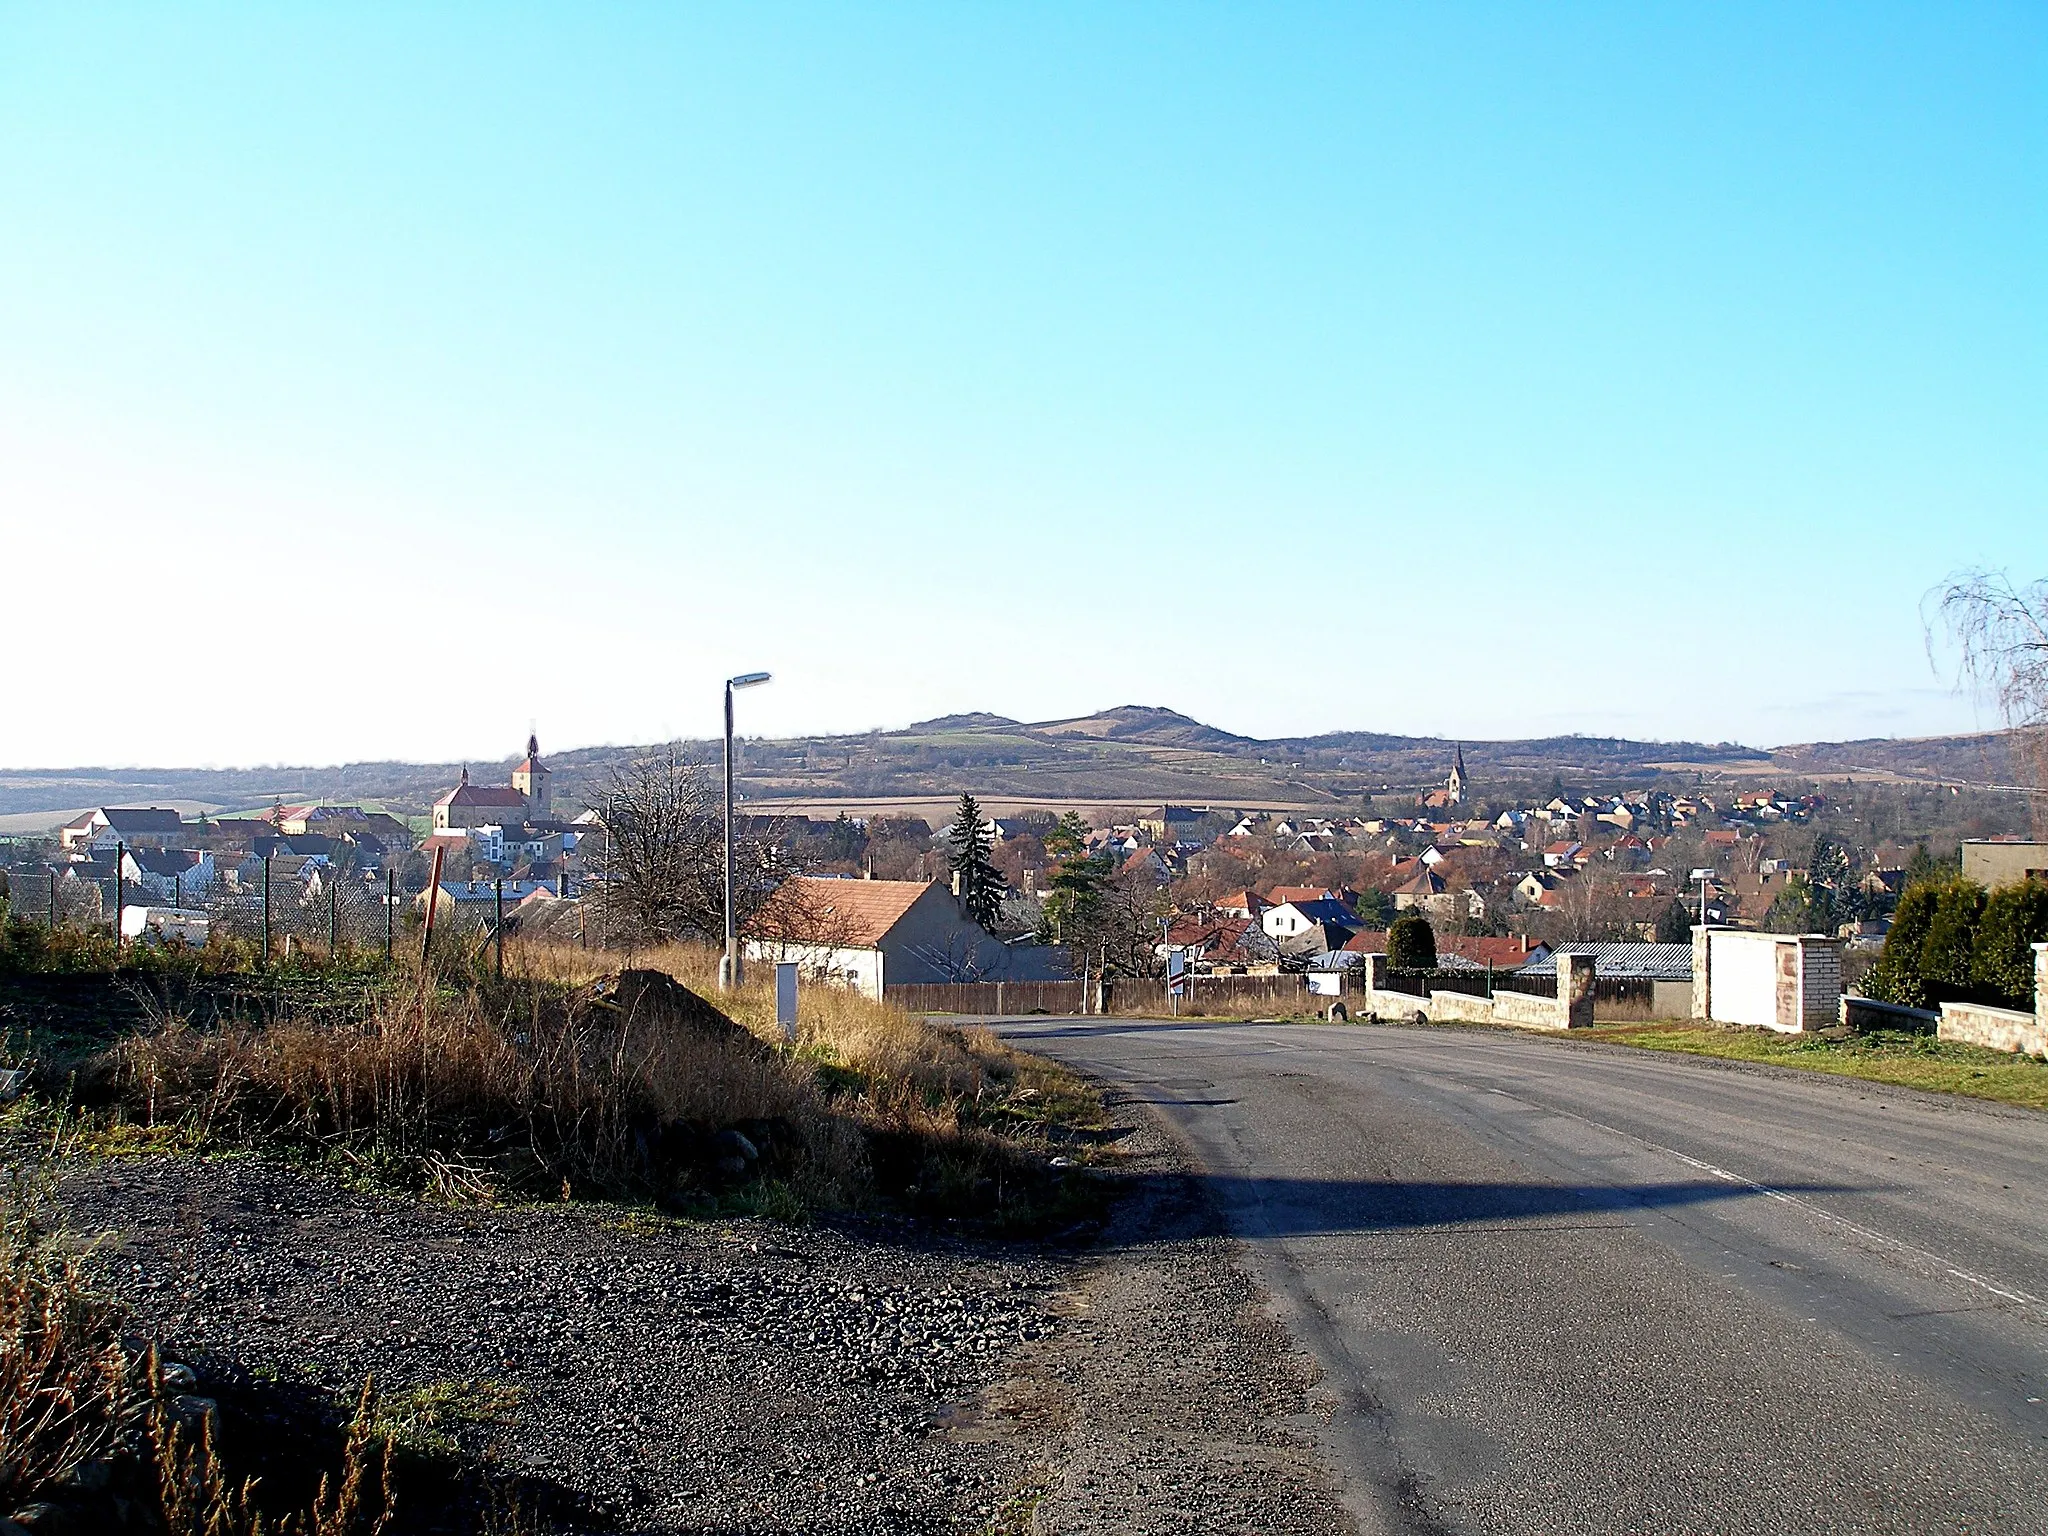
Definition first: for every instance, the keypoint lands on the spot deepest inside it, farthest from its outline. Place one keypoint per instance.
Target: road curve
(1563, 1287)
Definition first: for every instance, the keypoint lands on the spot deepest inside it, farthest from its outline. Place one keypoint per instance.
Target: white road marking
(1881, 1238)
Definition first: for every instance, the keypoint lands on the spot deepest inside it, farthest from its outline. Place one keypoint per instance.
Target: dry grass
(466, 1086)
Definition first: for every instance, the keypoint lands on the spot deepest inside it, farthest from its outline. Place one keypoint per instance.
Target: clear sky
(378, 379)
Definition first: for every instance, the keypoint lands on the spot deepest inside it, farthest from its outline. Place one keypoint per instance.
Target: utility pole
(729, 970)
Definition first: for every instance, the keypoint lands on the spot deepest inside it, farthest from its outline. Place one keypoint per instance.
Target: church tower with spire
(1454, 786)
(531, 777)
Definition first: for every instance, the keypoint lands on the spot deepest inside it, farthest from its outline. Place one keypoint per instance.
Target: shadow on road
(1297, 1207)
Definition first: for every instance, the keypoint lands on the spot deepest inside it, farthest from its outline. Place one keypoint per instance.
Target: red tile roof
(850, 913)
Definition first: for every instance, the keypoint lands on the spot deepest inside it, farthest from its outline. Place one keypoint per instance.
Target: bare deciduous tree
(2002, 632)
(663, 860)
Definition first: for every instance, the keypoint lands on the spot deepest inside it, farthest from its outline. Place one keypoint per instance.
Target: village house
(172, 875)
(1290, 919)
(110, 826)
(1211, 946)
(874, 934)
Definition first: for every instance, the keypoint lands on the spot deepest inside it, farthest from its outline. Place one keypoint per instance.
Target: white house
(874, 934)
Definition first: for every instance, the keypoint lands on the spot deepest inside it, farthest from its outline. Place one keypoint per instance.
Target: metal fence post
(498, 926)
(333, 904)
(120, 890)
(53, 901)
(390, 902)
(266, 909)
(433, 906)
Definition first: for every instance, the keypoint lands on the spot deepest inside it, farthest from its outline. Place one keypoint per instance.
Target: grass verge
(1899, 1059)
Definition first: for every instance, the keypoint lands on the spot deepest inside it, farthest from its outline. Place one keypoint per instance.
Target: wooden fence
(1206, 996)
(988, 998)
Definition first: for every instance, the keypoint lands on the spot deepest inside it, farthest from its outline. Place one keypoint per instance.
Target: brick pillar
(1575, 990)
(1820, 982)
(1702, 993)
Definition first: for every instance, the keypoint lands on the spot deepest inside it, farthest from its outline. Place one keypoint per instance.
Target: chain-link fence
(326, 913)
(58, 902)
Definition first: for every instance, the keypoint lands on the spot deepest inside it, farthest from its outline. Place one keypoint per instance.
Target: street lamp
(1703, 876)
(729, 969)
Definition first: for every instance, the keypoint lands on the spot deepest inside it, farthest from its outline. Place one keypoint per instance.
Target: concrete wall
(1671, 999)
(1989, 863)
(1785, 982)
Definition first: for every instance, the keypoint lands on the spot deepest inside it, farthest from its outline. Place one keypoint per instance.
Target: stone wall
(1999, 1029)
(1572, 1008)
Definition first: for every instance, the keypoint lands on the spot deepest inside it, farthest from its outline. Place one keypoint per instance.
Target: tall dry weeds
(86, 1429)
(68, 1392)
(538, 1084)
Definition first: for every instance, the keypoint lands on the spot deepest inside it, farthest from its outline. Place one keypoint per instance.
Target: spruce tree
(975, 878)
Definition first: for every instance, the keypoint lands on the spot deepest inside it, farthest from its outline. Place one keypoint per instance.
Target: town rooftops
(1299, 894)
(169, 861)
(1641, 962)
(1324, 911)
(1500, 954)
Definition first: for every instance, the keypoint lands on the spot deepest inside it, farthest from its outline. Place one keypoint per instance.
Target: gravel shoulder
(751, 1376)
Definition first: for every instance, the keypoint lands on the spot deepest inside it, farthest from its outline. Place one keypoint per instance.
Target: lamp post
(729, 969)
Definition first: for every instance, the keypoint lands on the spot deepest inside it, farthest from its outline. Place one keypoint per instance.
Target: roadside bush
(1895, 978)
(1951, 941)
(2002, 955)
(1411, 943)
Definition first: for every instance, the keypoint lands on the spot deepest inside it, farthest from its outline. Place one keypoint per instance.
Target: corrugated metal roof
(1643, 962)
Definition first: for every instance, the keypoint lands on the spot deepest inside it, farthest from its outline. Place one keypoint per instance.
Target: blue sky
(407, 375)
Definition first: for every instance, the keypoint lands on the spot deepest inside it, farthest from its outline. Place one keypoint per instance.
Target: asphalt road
(1561, 1287)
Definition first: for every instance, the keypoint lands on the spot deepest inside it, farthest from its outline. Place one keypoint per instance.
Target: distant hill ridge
(1131, 754)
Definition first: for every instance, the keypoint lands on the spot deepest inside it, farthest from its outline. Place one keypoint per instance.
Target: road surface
(1562, 1287)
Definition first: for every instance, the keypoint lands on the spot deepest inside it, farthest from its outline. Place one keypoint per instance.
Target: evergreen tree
(1923, 868)
(1952, 938)
(975, 879)
(1674, 924)
(1075, 884)
(2002, 957)
(1896, 976)
(1411, 944)
(1375, 907)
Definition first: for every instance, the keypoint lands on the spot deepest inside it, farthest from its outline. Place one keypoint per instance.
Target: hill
(1130, 755)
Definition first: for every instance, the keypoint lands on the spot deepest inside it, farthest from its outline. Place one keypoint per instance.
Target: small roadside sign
(785, 998)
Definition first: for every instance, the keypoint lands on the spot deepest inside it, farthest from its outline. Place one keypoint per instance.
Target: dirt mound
(654, 997)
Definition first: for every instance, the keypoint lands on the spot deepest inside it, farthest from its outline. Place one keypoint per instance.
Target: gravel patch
(721, 1376)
